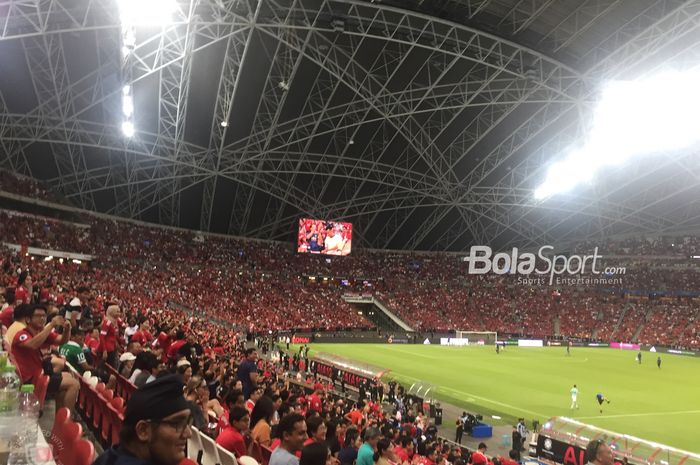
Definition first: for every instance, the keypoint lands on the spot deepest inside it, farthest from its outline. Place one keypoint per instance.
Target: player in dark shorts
(601, 398)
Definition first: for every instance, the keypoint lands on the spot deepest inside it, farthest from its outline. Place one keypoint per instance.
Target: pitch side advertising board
(454, 341)
(554, 450)
(530, 343)
(560, 452)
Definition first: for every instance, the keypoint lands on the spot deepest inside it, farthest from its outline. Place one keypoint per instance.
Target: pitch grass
(661, 405)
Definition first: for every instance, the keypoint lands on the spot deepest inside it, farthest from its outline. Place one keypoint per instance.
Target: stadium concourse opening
(490, 204)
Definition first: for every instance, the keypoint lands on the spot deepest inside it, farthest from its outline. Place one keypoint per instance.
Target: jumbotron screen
(324, 237)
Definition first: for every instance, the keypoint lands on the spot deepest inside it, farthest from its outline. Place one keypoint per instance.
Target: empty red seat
(40, 388)
(82, 452)
(66, 438)
(59, 422)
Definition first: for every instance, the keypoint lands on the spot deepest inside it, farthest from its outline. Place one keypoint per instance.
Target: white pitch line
(651, 414)
(394, 349)
(495, 402)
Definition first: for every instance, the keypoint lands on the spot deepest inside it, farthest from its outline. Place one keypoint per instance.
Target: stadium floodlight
(655, 115)
(128, 128)
(146, 13)
(127, 106)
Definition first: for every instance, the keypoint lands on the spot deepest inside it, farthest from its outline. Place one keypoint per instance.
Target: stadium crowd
(155, 301)
(249, 284)
(248, 405)
(27, 187)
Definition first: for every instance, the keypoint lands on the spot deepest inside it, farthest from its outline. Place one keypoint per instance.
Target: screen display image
(324, 237)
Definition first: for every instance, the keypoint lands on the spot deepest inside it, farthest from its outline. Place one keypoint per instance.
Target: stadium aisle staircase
(627, 306)
(643, 323)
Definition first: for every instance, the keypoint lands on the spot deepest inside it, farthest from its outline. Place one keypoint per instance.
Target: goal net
(479, 337)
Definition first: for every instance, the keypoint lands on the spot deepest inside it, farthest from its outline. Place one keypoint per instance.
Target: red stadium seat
(66, 438)
(42, 384)
(82, 453)
(187, 461)
(111, 423)
(118, 404)
(266, 453)
(60, 420)
(100, 408)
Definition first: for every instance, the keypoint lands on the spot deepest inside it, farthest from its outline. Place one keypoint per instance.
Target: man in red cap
(315, 402)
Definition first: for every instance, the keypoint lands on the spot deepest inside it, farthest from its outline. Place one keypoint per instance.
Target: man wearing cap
(126, 364)
(479, 455)
(599, 453)
(365, 456)
(292, 432)
(156, 426)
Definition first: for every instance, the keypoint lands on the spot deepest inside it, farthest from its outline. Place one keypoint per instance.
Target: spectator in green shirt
(365, 456)
(73, 352)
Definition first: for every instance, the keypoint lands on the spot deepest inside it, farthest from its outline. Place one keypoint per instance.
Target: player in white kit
(574, 395)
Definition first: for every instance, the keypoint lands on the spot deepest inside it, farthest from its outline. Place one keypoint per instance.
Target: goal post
(479, 337)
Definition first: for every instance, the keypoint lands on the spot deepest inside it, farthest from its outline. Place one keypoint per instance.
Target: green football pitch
(661, 405)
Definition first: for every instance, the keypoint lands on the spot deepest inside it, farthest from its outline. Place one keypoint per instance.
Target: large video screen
(324, 237)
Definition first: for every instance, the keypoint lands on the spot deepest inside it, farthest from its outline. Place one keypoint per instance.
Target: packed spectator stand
(184, 302)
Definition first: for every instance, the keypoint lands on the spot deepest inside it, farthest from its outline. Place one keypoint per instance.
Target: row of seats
(66, 440)
(102, 411)
(123, 388)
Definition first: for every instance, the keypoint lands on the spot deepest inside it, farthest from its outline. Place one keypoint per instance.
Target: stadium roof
(426, 123)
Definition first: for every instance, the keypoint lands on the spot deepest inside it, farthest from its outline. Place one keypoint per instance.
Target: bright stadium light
(127, 106)
(134, 13)
(649, 116)
(128, 128)
(146, 13)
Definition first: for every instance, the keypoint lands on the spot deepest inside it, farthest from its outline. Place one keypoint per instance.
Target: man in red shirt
(6, 317)
(143, 336)
(164, 339)
(23, 292)
(254, 397)
(315, 402)
(479, 456)
(234, 398)
(92, 340)
(405, 452)
(512, 458)
(431, 456)
(355, 415)
(109, 334)
(175, 346)
(231, 438)
(26, 350)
